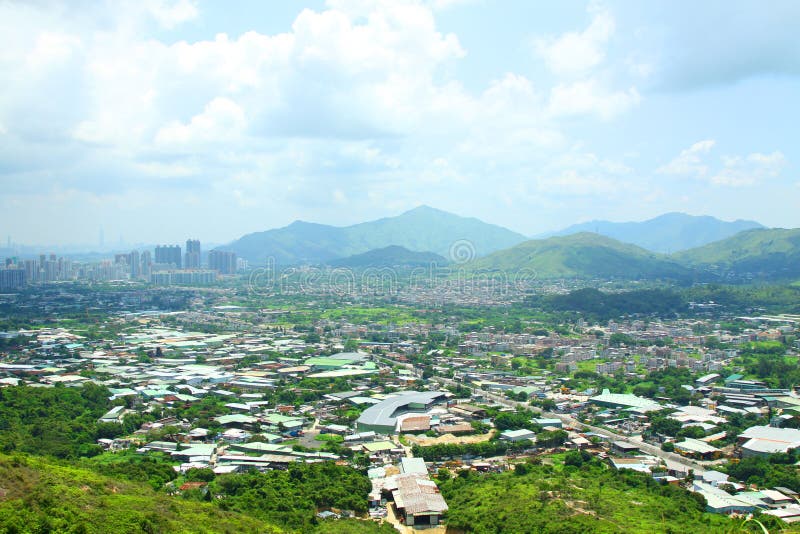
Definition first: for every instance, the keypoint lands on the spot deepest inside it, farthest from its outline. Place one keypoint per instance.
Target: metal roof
(417, 494)
(383, 413)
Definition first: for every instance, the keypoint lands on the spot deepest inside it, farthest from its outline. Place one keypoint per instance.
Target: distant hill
(583, 255)
(391, 256)
(421, 229)
(666, 233)
(762, 253)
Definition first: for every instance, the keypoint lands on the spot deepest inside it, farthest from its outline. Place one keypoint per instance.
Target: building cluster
(379, 398)
(167, 265)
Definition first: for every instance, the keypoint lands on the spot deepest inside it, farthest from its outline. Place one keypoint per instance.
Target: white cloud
(735, 171)
(441, 5)
(574, 183)
(169, 13)
(358, 102)
(577, 52)
(753, 169)
(585, 174)
(52, 48)
(590, 98)
(221, 120)
(690, 162)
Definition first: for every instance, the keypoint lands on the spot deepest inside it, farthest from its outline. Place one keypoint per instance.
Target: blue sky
(157, 120)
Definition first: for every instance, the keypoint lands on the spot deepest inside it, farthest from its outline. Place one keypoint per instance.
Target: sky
(152, 121)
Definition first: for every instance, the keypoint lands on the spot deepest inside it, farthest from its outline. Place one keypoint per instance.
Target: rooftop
(384, 413)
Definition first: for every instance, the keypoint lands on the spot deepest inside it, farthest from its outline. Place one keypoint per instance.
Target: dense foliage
(153, 468)
(581, 497)
(774, 470)
(515, 420)
(59, 421)
(599, 306)
(765, 360)
(292, 497)
(39, 495)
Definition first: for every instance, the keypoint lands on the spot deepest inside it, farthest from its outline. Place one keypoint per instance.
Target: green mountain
(666, 233)
(583, 255)
(762, 253)
(420, 229)
(391, 256)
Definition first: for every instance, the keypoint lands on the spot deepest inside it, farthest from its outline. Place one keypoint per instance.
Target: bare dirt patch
(426, 441)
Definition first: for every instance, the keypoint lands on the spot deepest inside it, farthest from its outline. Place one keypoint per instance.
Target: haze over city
(155, 121)
(415, 266)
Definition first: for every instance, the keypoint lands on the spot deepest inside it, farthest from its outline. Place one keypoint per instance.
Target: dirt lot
(448, 438)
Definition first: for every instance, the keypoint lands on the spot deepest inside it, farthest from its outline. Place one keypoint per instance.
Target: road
(568, 421)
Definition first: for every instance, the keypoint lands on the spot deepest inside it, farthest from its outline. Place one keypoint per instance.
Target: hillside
(583, 255)
(762, 253)
(422, 229)
(391, 256)
(583, 496)
(666, 233)
(43, 495)
(38, 495)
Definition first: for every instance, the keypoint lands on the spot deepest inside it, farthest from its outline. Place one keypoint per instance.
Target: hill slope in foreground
(586, 497)
(41, 495)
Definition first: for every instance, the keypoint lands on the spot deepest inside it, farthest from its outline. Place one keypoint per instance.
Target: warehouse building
(382, 417)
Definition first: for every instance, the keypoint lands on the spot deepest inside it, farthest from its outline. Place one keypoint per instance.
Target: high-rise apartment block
(12, 278)
(192, 254)
(222, 261)
(169, 255)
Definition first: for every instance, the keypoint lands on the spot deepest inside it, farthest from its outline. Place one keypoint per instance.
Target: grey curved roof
(352, 356)
(383, 412)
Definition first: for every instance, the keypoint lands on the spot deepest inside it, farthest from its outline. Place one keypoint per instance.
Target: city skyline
(123, 119)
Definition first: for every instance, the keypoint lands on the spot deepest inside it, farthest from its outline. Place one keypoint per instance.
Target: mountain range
(666, 233)
(709, 248)
(758, 254)
(422, 229)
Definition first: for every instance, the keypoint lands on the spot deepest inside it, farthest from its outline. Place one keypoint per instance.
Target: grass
(40, 495)
(588, 365)
(358, 314)
(592, 498)
(329, 437)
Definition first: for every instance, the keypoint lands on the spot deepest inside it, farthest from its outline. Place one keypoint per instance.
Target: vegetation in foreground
(39, 495)
(42, 495)
(582, 496)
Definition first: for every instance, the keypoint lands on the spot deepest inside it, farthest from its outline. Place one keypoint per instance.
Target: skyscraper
(192, 254)
(147, 263)
(136, 266)
(222, 261)
(169, 254)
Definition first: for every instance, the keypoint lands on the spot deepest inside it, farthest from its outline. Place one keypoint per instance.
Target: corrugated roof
(417, 494)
